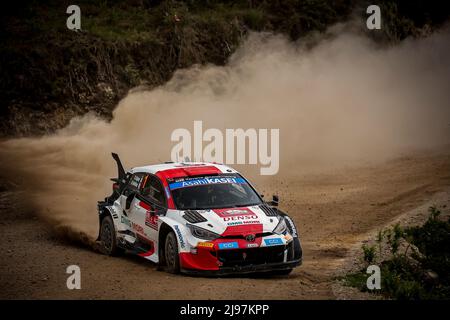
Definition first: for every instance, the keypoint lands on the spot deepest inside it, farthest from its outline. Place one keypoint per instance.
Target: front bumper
(241, 260)
(246, 269)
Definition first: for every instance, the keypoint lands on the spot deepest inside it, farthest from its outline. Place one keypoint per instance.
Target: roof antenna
(186, 159)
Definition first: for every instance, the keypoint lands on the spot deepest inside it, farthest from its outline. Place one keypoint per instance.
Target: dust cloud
(345, 101)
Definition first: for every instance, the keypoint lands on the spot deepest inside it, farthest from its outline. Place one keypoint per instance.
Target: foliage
(126, 43)
(369, 253)
(424, 274)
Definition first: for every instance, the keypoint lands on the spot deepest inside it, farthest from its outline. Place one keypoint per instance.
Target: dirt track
(330, 209)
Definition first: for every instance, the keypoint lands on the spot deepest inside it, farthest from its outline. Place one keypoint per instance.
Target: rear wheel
(171, 253)
(108, 237)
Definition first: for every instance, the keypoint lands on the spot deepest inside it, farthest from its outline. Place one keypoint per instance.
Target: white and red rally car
(197, 218)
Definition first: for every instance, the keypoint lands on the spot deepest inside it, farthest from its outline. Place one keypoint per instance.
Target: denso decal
(228, 245)
(273, 241)
(180, 236)
(203, 181)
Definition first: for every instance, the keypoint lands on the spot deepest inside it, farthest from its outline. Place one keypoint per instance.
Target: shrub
(369, 253)
(423, 275)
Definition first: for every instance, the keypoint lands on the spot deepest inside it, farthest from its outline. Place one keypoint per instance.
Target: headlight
(281, 228)
(202, 233)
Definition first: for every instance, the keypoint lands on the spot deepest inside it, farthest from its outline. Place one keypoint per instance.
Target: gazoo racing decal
(241, 218)
(292, 226)
(186, 182)
(180, 236)
(237, 223)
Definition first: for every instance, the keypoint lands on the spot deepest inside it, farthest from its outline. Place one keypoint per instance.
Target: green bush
(369, 253)
(423, 274)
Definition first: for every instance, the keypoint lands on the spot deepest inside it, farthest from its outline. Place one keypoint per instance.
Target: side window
(153, 189)
(134, 183)
(135, 180)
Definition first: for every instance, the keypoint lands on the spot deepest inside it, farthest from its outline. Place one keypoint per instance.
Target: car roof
(184, 169)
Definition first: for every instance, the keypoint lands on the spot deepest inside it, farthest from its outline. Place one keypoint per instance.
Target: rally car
(196, 218)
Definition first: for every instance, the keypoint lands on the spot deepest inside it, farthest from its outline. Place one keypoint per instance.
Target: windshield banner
(206, 181)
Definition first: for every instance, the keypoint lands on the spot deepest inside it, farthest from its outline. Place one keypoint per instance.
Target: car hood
(234, 221)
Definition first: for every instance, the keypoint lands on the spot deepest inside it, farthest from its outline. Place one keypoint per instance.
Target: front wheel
(171, 253)
(108, 239)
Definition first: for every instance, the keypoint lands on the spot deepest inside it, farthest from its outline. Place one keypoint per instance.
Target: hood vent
(193, 216)
(270, 212)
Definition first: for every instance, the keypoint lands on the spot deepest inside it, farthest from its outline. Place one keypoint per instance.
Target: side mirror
(275, 201)
(129, 200)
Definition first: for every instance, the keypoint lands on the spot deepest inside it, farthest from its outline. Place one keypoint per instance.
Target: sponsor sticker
(291, 224)
(241, 218)
(180, 236)
(234, 223)
(205, 245)
(138, 228)
(125, 221)
(151, 220)
(228, 245)
(273, 241)
(237, 223)
(235, 211)
(167, 192)
(237, 216)
(206, 181)
(251, 222)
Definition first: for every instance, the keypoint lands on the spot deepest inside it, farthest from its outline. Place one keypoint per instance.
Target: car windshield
(212, 192)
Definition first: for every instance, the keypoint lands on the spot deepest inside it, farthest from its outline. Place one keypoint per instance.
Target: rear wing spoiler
(121, 175)
(119, 184)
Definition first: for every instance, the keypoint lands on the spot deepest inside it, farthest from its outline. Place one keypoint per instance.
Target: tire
(108, 240)
(171, 253)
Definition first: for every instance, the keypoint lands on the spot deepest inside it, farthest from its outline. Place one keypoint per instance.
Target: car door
(152, 199)
(130, 203)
